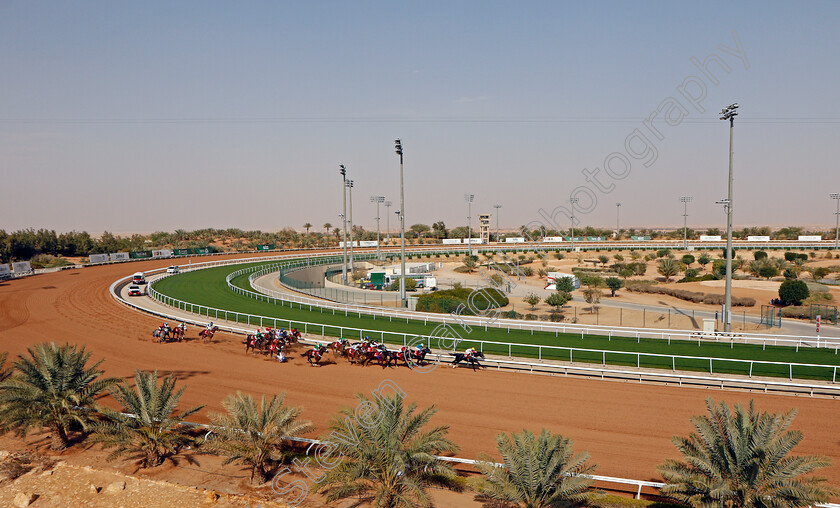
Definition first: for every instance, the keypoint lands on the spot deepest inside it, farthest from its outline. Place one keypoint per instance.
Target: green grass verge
(208, 287)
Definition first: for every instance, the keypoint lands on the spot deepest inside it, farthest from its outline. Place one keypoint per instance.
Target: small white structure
(708, 238)
(758, 238)
(553, 277)
(810, 238)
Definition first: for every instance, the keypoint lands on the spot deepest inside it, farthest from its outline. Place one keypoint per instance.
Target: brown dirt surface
(626, 427)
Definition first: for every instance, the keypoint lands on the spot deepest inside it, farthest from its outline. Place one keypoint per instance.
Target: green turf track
(208, 287)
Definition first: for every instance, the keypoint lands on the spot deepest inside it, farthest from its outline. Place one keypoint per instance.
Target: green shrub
(759, 255)
(793, 292)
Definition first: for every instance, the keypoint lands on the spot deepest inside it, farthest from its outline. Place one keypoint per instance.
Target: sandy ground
(626, 427)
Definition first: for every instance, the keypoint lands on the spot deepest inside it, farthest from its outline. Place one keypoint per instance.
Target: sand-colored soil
(626, 427)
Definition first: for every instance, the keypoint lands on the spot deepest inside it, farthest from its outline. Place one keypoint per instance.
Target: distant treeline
(26, 244)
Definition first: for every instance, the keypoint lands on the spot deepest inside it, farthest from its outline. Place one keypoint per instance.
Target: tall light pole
(836, 196)
(729, 113)
(377, 200)
(497, 221)
(469, 199)
(685, 200)
(572, 201)
(399, 150)
(617, 208)
(343, 172)
(350, 218)
(388, 220)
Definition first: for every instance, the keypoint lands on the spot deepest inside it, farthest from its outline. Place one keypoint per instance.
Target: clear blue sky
(163, 115)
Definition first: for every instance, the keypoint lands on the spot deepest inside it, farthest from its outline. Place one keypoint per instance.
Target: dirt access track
(626, 427)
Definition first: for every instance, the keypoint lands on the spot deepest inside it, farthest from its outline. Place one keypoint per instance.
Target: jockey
(210, 325)
(419, 347)
(182, 326)
(469, 352)
(166, 326)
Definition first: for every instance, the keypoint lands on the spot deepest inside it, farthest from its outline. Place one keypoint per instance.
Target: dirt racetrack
(626, 427)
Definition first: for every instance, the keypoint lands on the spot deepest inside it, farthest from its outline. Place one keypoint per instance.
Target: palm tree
(306, 227)
(392, 459)
(250, 435)
(148, 426)
(740, 459)
(51, 389)
(669, 267)
(327, 227)
(4, 372)
(539, 471)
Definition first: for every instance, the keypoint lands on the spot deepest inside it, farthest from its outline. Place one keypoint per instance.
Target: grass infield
(208, 287)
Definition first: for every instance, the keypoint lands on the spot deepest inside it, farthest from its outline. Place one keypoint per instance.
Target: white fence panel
(21, 267)
(99, 258)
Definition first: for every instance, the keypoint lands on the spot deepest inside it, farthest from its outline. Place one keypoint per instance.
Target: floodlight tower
(617, 208)
(685, 200)
(350, 218)
(469, 199)
(729, 113)
(377, 200)
(572, 201)
(399, 150)
(388, 205)
(497, 220)
(343, 171)
(836, 196)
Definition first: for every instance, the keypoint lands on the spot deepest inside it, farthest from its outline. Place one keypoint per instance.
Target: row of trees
(737, 457)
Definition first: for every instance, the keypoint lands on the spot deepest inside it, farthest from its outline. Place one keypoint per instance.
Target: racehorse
(462, 357)
(207, 334)
(179, 332)
(314, 356)
(419, 355)
(161, 334)
(355, 354)
(255, 342)
(381, 355)
(338, 347)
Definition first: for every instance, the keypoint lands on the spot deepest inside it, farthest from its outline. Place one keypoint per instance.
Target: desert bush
(691, 272)
(793, 292)
(759, 255)
(687, 259)
(661, 253)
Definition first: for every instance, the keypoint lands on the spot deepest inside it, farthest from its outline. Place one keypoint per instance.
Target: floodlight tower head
(388, 203)
(497, 206)
(729, 112)
(686, 199)
(342, 170)
(469, 198)
(398, 146)
(377, 199)
(834, 195)
(350, 183)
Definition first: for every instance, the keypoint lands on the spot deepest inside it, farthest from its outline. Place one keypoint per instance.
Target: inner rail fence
(302, 302)
(711, 365)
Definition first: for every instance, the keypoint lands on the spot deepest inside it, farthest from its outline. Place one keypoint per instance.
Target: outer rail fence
(541, 352)
(679, 379)
(374, 311)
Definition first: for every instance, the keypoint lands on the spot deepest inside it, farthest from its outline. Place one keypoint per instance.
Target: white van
(138, 278)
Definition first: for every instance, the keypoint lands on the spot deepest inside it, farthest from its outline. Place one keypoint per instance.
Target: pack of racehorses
(275, 342)
(164, 333)
(271, 342)
(367, 352)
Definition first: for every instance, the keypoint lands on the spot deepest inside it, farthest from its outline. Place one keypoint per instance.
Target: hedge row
(690, 296)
